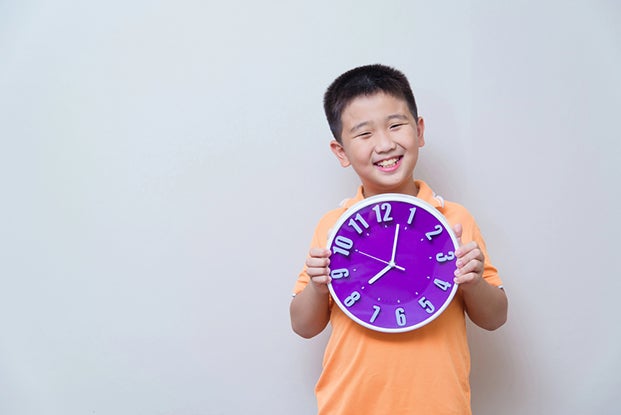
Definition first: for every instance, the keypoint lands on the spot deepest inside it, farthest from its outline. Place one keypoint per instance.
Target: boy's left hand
(470, 260)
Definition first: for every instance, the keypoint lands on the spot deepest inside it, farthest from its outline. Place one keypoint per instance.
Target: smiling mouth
(388, 163)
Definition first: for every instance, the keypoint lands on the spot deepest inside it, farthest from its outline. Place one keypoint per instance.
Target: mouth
(388, 164)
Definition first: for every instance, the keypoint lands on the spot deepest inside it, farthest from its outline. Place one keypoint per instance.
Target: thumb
(458, 229)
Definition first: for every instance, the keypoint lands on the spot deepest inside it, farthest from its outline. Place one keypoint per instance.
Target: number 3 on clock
(449, 256)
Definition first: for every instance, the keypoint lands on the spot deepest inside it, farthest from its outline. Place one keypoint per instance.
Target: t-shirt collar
(424, 192)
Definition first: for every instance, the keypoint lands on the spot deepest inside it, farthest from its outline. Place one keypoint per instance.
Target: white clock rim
(392, 197)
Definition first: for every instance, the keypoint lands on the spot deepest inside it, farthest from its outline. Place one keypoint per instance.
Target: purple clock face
(392, 263)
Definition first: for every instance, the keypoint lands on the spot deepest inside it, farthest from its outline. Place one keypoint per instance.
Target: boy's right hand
(317, 268)
(310, 309)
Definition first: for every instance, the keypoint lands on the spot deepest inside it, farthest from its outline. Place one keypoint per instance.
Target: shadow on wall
(497, 369)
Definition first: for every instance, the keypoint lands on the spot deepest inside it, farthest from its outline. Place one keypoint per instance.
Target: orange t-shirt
(424, 371)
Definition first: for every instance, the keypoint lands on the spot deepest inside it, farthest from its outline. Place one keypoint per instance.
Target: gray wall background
(163, 165)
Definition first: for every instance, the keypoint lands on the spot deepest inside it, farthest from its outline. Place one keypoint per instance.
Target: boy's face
(380, 139)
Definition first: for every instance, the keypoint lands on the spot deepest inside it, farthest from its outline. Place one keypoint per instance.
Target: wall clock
(392, 263)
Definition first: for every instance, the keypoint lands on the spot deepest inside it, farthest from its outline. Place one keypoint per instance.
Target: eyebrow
(397, 117)
(389, 118)
(357, 126)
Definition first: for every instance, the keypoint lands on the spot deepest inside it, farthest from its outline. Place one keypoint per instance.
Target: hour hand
(380, 274)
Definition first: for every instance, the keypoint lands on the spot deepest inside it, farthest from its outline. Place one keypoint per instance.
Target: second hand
(381, 260)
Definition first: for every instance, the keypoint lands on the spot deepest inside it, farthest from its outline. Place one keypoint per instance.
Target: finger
(466, 278)
(473, 254)
(317, 262)
(319, 253)
(471, 273)
(316, 271)
(471, 267)
(466, 249)
(321, 279)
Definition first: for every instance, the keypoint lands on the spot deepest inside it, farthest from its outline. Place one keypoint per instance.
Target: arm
(485, 304)
(309, 310)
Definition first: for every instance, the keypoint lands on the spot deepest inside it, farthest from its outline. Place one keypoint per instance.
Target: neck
(411, 188)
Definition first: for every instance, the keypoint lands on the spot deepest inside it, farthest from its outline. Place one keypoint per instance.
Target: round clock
(392, 263)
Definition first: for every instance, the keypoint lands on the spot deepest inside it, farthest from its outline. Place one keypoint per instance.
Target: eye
(396, 126)
(365, 134)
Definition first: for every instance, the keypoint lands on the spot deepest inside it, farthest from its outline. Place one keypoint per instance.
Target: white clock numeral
(351, 300)
(342, 245)
(426, 304)
(431, 234)
(375, 313)
(339, 273)
(449, 256)
(360, 219)
(400, 315)
(386, 208)
(443, 285)
(411, 218)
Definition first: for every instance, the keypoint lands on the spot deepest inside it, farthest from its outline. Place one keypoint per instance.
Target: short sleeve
(490, 273)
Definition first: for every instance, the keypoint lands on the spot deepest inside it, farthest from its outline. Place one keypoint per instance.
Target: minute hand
(394, 245)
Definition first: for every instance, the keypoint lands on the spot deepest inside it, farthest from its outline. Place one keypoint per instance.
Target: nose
(383, 143)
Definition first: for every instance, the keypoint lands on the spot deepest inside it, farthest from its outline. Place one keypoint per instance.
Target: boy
(373, 117)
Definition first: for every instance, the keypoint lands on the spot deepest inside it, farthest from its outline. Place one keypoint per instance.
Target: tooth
(385, 163)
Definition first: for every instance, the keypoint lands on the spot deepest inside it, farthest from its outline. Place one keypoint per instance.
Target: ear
(339, 152)
(420, 131)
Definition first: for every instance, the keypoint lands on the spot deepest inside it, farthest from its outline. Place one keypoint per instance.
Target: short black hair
(364, 80)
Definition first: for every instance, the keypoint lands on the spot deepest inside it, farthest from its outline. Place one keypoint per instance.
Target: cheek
(411, 142)
(361, 151)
